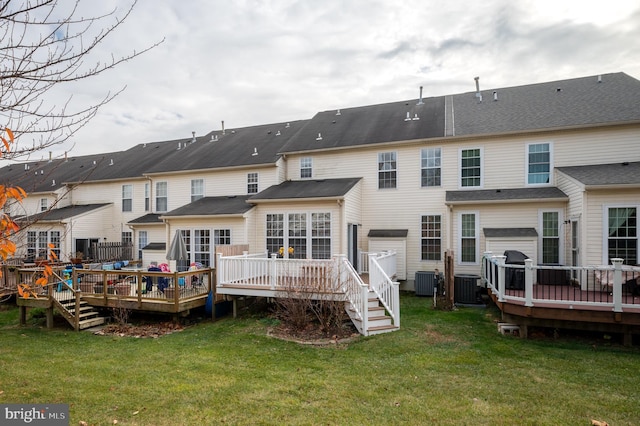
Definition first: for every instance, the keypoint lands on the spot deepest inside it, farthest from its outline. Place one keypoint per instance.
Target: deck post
(273, 279)
(617, 284)
(501, 279)
(218, 282)
(528, 282)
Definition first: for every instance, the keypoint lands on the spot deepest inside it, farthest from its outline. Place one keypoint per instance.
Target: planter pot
(123, 289)
(99, 288)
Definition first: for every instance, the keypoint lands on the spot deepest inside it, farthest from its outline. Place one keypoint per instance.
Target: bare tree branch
(39, 51)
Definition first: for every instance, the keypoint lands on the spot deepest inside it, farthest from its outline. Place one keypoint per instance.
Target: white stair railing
(356, 293)
(382, 266)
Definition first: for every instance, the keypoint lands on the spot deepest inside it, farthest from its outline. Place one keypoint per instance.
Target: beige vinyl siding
(595, 244)
(575, 211)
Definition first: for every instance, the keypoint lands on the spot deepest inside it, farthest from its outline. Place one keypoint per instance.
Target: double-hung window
(252, 183)
(306, 168)
(468, 225)
(471, 168)
(147, 198)
(550, 235)
(44, 204)
(127, 198)
(197, 189)
(161, 197)
(431, 240)
(538, 163)
(275, 232)
(320, 235)
(222, 237)
(387, 170)
(430, 166)
(622, 234)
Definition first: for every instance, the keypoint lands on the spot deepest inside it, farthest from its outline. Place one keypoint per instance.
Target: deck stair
(88, 316)
(378, 319)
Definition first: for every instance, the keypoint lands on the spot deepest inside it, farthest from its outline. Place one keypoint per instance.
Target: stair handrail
(356, 292)
(387, 290)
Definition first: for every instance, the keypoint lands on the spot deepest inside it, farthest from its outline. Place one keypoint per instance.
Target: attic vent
(415, 117)
(179, 146)
(255, 152)
(278, 133)
(94, 162)
(53, 182)
(319, 138)
(408, 116)
(495, 96)
(559, 89)
(338, 112)
(287, 126)
(599, 79)
(111, 162)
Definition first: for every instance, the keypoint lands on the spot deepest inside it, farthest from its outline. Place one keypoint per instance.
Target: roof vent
(420, 100)
(144, 145)
(214, 138)
(26, 167)
(255, 152)
(495, 96)
(408, 116)
(599, 79)
(558, 89)
(479, 96)
(223, 127)
(53, 182)
(287, 126)
(415, 117)
(319, 138)
(477, 79)
(50, 156)
(626, 163)
(111, 162)
(193, 137)
(41, 172)
(179, 145)
(278, 133)
(94, 162)
(338, 112)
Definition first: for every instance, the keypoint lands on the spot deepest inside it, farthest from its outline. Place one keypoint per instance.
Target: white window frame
(381, 157)
(526, 164)
(160, 196)
(429, 237)
(460, 177)
(310, 236)
(197, 189)
(476, 237)
(425, 166)
(147, 197)
(143, 241)
(253, 180)
(198, 235)
(127, 197)
(306, 168)
(541, 236)
(222, 234)
(44, 204)
(605, 230)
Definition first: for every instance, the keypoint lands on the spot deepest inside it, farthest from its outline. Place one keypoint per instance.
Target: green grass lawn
(444, 368)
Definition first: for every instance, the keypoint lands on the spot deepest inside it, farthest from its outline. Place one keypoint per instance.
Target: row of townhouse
(550, 169)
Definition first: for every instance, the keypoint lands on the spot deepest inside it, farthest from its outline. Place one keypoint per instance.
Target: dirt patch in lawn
(314, 335)
(140, 330)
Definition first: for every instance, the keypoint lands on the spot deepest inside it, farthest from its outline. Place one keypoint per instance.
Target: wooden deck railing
(614, 287)
(381, 268)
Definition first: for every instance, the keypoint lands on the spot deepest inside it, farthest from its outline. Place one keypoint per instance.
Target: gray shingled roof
(370, 125)
(627, 173)
(56, 215)
(510, 232)
(388, 233)
(245, 146)
(557, 104)
(147, 219)
(505, 195)
(213, 206)
(322, 188)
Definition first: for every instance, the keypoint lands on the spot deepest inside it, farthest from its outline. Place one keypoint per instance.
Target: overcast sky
(258, 61)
